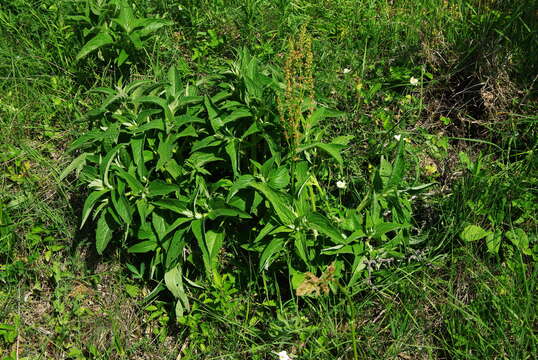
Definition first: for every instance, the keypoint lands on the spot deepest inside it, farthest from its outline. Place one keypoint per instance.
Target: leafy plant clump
(187, 176)
(116, 32)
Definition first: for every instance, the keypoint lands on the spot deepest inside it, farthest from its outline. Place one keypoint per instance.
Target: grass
(451, 299)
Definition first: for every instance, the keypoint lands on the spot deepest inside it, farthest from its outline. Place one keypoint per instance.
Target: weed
(311, 179)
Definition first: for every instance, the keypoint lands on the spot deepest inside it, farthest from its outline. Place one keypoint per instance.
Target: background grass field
(470, 123)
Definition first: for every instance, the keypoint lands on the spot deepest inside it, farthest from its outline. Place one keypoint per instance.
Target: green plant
(181, 176)
(500, 216)
(114, 26)
(151, 181)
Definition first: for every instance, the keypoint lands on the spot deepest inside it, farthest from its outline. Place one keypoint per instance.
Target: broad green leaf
(86, 139)
(237, 114)
(143, 247)
(149, 26)
(158, 124)
(473, 233)
(279, 178)
(301, 248)
(338, 249)
(221, 95)
(214, 119)
(159, 225)
(323, 225)
(385, 227)
(122, 57)
(197, 227)
(268, 166)
(165, 151)
(213, 242)
(174, 282)
(177, 223)
(145, 232)
(383, 174)
(209, 141)
(357, 267)
(278, 202)
(281, 230)
(160, 188)
(178, 206)
(175, 249)
(519, 238)
(181, 120)
(493, 241)
(103, 233)
(331, 149)
(302, 175)
(189, 100)
(162, 103)
(297, 278)
(264, 232)
(144, 116)
(120, 203)
(276, 245)
(137, 147)
(231, 150)
(89, 203)
(199, 159)
(136, 40)
(241, 183)
(143, 209)
(77, 164)
(398, 168)
(104, 166)
(320, 114)
(135, 185)
(230, 212)
(174, 86)
(126, 19)
(359, 234)
(98, 41)
(253, 129)
(173, 168)
(188, 131)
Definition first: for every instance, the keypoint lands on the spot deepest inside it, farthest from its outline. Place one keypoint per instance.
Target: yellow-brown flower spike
(298, 95)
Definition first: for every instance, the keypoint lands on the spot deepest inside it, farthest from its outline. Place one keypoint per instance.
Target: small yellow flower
(413, 81)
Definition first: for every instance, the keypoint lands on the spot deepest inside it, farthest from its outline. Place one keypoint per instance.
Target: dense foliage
(268, 179)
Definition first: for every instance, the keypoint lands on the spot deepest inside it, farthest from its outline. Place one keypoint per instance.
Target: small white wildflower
(283, 355)
(398, 137)
(341, 184)
(413, 81)
(346, 71)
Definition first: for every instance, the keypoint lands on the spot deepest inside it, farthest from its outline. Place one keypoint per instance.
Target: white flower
(346, 71)
(398, 137)
(283, 355)
(413, 81)
(341, 184)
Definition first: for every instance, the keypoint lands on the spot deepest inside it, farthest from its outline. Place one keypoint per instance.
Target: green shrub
(183, 177)
(114, 29)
